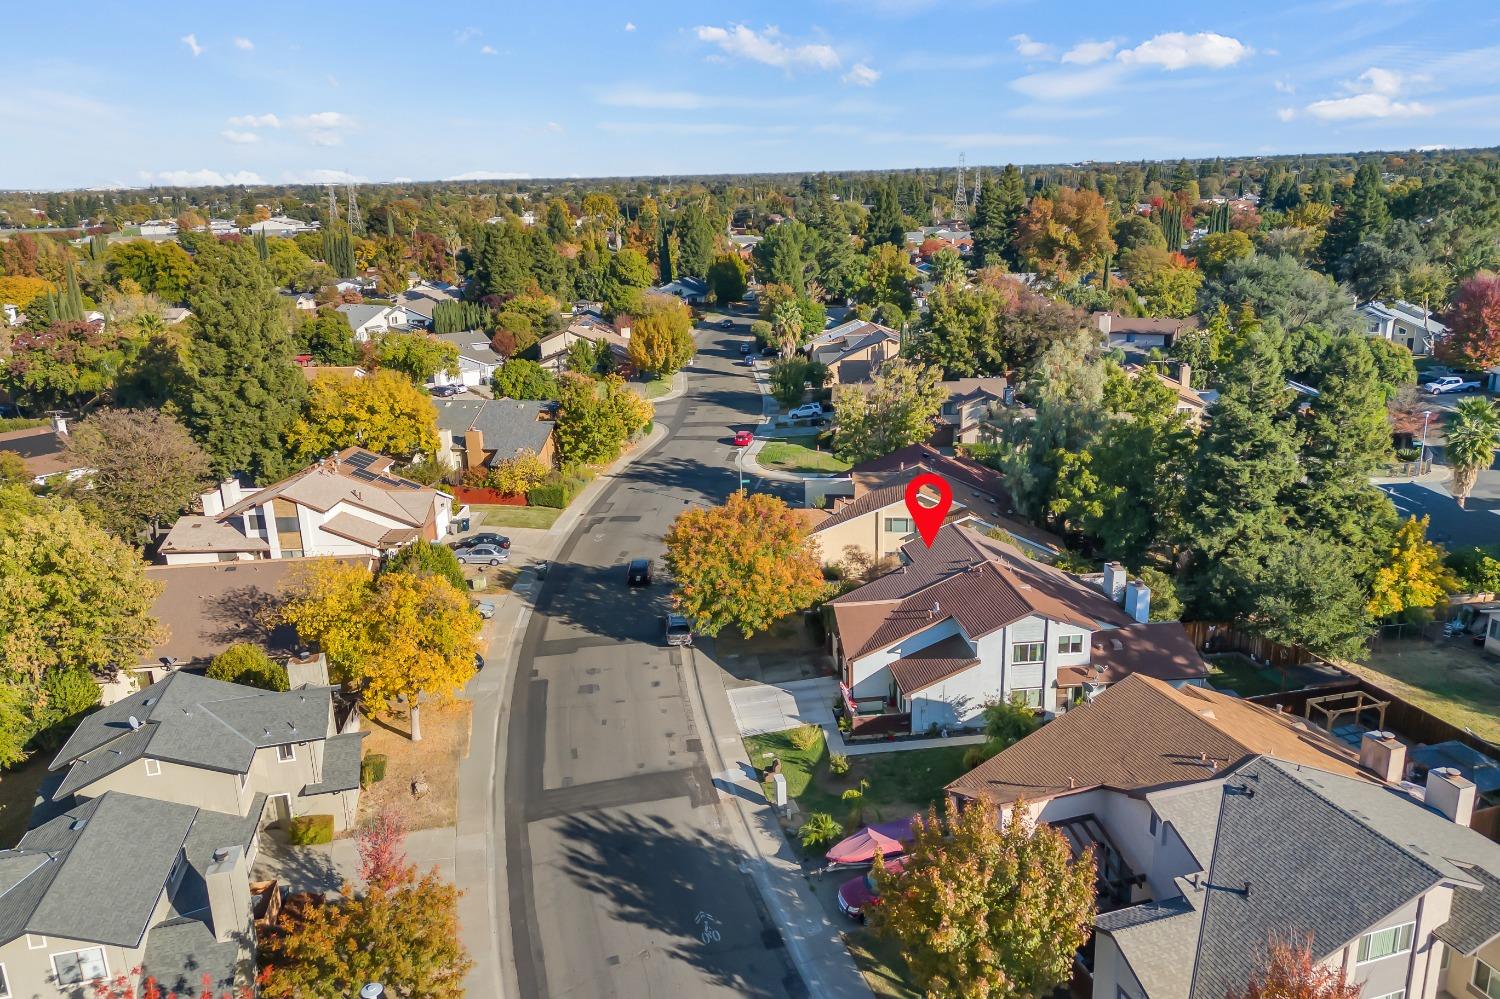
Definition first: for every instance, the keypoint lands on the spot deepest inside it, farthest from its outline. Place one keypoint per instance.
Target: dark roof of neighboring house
(934, 664)
(199, 534)
(508, 425)
(1147, 324)
(1141, 733)
(41, 448)
(1167, 930)
(962, 390)
(1474, 919)
(472, 344)
(190, 719)
(917, 458)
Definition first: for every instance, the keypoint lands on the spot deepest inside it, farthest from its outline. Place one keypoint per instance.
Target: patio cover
(887, 838)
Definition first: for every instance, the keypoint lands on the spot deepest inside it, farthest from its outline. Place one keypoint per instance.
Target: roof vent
(133, 722)
(221, 854)
(1116, 644)
(77, 824)
(937, 608)
(267, 732)
(148, 702)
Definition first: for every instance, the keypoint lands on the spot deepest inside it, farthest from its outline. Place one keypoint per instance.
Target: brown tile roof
(1161, 649)
(355, 476)
(933, 664)
(918, 458)
(42, 450)
(855, 623)
(875, 499)
(1143, 733)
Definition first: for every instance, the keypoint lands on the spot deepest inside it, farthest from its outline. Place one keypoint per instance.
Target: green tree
(522, 379)
(948, 267)
(1169, 286)
(1362, 213)
(661, 341)
(1413, 575)
(1279, 290)
(787, 255)
(416, 355)
(745, 564)
(326, 336)
(984, 906)
(788, 379)
(248, 664)
(144, 469)
(664, 257)
(889, 277)
(1472, 439)
(428, 557)
(239, 391)
(899, 407)
(697, 236)
(1214, 251)
(597, 418)
(886, 223)
(726, 277)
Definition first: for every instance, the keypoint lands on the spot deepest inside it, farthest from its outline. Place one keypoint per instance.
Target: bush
(838, 764)
(311, 830)
(249, 665)
(423, 557)
(557, 492)
(1008, 722)
(820, 827)
(976, 755)
(372, 769)
(806, 737)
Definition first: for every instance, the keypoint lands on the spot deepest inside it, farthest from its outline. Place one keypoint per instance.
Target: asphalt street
(619, 875)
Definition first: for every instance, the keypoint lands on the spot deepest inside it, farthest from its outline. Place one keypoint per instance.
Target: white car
(805, 411)
(482, 555)
(1451, 383)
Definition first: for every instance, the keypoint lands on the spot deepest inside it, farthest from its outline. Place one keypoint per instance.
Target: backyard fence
(1208, 636)
(492, 497)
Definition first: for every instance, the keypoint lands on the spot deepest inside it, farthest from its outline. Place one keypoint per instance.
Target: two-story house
(479, 433)
(220, 746)
(129, 887)
(971, 620)
(1404, 324)
(589, 327)
(419, 301)
(368, 320)
(477, 360)
(853, 351)
(969, 407)
(349, 503)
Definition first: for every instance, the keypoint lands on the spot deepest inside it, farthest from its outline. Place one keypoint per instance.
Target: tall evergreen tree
(697, 239)
(886, 222)
(239, 391)
(1012, 204)
(1363, 212)
(664, 256)
(72, 301)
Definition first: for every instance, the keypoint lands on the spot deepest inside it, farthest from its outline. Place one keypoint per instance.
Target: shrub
(249, 665)
(310, 830)
(976, 755)
(820, 827)
(805, 737)
(423, 557)
(519, 474)
(1008, 722)
(372, 769)
(557, 492)
(838, 764)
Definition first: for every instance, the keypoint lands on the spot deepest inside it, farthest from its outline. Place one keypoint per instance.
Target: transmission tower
(351, 209)
(333, 205)
(978, 182)
(960, 200)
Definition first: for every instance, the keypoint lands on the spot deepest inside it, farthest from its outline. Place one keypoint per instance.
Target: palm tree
(1473, 438)
(787, 319)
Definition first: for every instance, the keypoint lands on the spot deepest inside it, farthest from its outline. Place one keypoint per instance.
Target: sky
(193, 93)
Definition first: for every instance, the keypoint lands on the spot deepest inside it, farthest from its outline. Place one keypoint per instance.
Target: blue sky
(121, 94)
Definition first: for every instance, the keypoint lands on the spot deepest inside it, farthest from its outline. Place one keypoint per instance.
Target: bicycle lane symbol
(707, 924)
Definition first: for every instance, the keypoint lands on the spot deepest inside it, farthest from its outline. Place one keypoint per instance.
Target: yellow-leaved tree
(661, 341)
(400, 636)
(1413, 575)
(383, 411)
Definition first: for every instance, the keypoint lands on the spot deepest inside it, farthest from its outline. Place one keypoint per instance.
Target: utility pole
(333, 205)
(960, 200)
(351, 209)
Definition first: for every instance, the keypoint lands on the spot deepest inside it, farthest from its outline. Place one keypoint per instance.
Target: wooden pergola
(1361, 701)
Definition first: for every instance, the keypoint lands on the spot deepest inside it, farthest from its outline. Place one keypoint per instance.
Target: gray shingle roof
(1156, 940)
(340, 764)
(196, 721)
(1475, 917)
(508, 425)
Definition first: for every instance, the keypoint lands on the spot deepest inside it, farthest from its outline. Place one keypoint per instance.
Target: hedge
(372, 769)
(311, 830)
(557, 493)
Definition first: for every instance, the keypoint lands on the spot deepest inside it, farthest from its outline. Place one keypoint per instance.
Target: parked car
(485, 538)
(677, 629)
(857, 894)
(745, 347)
(748, 361)
(1449, 384)
(806, 411)
(726, 324)
(639, 572)
(742, 438)
(485, 608)
(769, 351)
(482, 555)
(478, 662)
(447, 391)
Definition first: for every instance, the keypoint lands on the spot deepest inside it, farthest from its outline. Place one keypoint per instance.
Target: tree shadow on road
(690, 889)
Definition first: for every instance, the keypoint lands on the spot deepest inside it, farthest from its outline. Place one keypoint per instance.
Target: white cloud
(487, 50)
(191, 41)
(1088, 53)
(1385, 82)
(1064, 85)
(1366, 106)
(767, 47)
(489, 175)
(324, 176)
(324, 128)
(629, 25)
(1177, 50)
(678, 128)
(244, 44)
(1286, 114)
(240, 138)
(255, 121)
(1031, 48)
(652, 99)
(465, 35)
(861, 75)
(201, 178)
(553, 127)
(1284, 87)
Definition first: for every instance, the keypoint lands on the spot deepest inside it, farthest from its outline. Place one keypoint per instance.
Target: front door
(281, 810)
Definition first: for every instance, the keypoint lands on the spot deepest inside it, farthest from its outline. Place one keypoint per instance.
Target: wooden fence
(491, 497)
(1208, 636)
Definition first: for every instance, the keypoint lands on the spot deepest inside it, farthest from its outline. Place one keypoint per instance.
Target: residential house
(346, 504)
(44, 451)
(280, 225)
(173, 314)
(971, 620)
(12, 314)
(367, 321)
(119, 885)
(420, 299)
(1194, 402)
(311, 369)
(1403, 323)
(221, 746)
(478, 433)
(552, 349)
(477, 360)
(970, 404)
(693, 291)
(1140, 334)
(854, 350)
(358, 285)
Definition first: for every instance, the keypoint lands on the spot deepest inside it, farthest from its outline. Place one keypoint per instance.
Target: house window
(79, 966)
(1387, 943)
(1027, 652)
(153, 768)
(1031, 696)
(286, 753)
(34, 942)
(1495, 627)
(1155, 823)
(899, 525)
(1070, 644)
(291, 553)
(1486, 979)
(287, 525)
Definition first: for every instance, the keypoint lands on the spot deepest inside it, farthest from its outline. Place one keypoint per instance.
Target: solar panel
(364, 474)
(362, 460)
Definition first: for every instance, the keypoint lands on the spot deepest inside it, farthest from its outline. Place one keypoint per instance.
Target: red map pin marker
(929, 518)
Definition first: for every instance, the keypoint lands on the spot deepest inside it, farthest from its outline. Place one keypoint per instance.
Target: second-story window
(1386, 943)
(1027, 652)
(1070, 644)
(286, 753)
(899, 525)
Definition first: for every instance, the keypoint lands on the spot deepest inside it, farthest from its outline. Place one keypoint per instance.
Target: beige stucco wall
(212, 789)
(1456, 979)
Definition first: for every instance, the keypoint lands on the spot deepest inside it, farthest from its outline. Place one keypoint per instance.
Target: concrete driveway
(775, 708)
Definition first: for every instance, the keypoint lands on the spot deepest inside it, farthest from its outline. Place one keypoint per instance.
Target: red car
(857, 894)
(742, 438)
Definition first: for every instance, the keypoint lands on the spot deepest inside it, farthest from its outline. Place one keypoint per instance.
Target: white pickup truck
(1449, 384)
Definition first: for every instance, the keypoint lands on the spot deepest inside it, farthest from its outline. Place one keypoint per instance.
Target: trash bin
(460, 525)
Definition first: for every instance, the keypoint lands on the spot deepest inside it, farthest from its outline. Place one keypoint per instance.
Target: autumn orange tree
(383, 411)
(661, 341)
(399, 636)
(1065, 236)
(1414, 574)
(1289, 971)
(746, 563)
(986, 909)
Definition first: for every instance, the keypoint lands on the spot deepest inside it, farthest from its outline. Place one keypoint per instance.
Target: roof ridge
(1172, 695)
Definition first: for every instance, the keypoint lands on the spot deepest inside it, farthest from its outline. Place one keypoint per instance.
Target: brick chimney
(1384, 755)
(473, 448)
(1450, 793)
(1185, 375)
(228, 883)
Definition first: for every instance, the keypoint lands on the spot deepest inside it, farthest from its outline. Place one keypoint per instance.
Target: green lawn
(1233, 671)
(656, 388)
(900, 783)
(1452, 680)
(791, 457)
(881, 964)
(540, 517)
